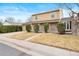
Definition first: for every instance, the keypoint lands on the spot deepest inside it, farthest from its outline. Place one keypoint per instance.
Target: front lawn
(22, 36)
(69, 42)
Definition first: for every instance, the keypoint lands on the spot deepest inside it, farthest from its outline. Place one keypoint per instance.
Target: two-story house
(51, 17)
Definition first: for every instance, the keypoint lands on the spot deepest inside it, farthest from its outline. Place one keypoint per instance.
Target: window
(53, 15)
(67, 25)
(70, 25)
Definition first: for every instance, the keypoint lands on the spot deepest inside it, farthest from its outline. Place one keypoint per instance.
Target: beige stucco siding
(23, 27)
(47, 16)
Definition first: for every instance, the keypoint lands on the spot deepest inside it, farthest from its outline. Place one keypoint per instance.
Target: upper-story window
(52, 15)
(36, 17)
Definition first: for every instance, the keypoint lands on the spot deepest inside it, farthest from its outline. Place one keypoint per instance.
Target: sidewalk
(38, 49)
(9, 34)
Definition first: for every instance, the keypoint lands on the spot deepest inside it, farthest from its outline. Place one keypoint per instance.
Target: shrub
(61, 28)
(11, 28)
(36, 28)
(28, 28)
(46, 27)
(19, 28)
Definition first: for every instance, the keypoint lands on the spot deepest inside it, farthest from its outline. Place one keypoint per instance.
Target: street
(9, 51)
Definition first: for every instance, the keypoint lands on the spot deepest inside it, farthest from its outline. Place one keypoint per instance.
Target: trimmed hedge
(46, 27)
(28, 28)
(12, 28)
(36, 28)
(61, 28)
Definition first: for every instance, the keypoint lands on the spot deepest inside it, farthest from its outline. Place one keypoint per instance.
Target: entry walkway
(37, 49)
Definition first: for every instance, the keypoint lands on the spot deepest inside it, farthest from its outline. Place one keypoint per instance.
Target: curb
(20, 48)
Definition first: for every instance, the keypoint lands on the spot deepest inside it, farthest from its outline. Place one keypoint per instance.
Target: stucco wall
(47, 16)
(23, 27)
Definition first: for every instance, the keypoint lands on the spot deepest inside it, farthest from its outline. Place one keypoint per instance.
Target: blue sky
(23, 11)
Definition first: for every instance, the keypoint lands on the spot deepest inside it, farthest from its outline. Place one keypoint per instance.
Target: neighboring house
(11, 23)
(52, 17)
(6, 23)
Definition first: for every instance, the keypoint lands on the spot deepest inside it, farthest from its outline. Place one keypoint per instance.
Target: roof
(11, 23)
(66, 19)
(46, 12)
(6, 23)
(51, 21)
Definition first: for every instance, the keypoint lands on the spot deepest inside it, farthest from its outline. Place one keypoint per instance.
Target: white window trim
(67, 25)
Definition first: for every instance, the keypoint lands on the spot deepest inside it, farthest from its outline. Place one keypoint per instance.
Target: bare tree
(18, 21)
(73, 15)
(10, 19)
